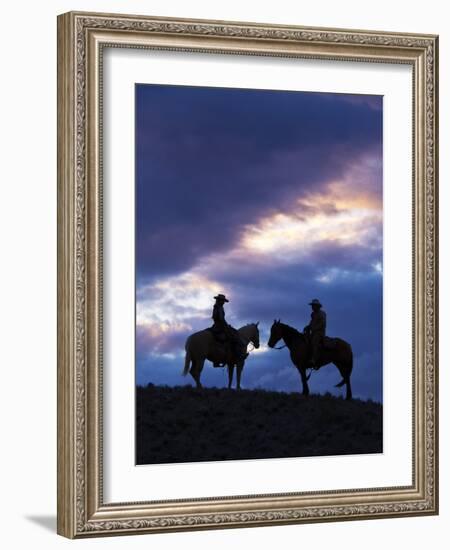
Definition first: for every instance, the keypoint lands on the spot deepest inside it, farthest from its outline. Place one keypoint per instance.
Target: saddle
(220, 337)
(225, 343)
(329, 343)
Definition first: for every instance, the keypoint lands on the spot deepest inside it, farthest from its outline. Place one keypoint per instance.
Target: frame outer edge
(75, 254)
(195, 21)
(435, 161)
(66, 523)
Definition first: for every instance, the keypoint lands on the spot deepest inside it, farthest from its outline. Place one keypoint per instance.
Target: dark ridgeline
(185, 424)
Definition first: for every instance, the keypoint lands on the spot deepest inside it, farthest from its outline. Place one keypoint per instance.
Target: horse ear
(257, 323)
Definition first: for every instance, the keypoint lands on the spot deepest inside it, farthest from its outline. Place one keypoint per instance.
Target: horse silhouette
(201, 346)
(340, 354)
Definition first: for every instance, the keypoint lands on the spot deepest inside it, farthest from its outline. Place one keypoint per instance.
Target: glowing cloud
(183, 297)
(334, 218)
(285, 234)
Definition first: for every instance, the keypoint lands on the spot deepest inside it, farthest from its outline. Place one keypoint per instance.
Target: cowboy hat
(221, 297)
(315, 302)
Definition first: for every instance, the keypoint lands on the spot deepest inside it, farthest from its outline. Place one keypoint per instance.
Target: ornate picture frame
(82, 38)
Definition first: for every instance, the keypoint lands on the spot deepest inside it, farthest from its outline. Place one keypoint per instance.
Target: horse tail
(187, 359)
(187, 363)
(347, 374)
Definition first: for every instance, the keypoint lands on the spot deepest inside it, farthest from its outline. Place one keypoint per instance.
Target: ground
(185, 424)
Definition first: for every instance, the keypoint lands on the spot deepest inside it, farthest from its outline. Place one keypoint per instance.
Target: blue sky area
(272, 198)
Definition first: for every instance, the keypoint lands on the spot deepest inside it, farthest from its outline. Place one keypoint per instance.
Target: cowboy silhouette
(316, 331)
(225, 332)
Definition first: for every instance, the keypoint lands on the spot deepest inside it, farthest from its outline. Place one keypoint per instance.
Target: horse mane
(248, 325)
(293, 331)
(247, 328)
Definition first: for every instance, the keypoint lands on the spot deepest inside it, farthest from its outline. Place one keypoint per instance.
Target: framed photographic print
(247, 274)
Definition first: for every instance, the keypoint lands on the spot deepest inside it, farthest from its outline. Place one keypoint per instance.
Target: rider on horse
(225, 332)
(316, 331)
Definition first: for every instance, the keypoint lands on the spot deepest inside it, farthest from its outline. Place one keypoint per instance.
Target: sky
(272, 198)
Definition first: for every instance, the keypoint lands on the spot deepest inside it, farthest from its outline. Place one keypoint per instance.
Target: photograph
(258, 273)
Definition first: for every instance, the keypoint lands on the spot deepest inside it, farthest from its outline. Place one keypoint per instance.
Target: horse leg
(230, 375)
(196, 369)
(238, 375)
(304, 378)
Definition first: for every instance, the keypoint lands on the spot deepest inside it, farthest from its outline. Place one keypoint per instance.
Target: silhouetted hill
(184, 424)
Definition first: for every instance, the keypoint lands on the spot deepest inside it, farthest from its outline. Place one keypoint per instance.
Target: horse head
(255, 336)
(251, 333)
(276, 333)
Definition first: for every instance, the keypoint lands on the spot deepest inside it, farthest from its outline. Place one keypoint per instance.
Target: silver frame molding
(81, 39)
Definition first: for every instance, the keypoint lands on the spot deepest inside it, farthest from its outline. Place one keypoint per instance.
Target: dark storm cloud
(209, 159)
